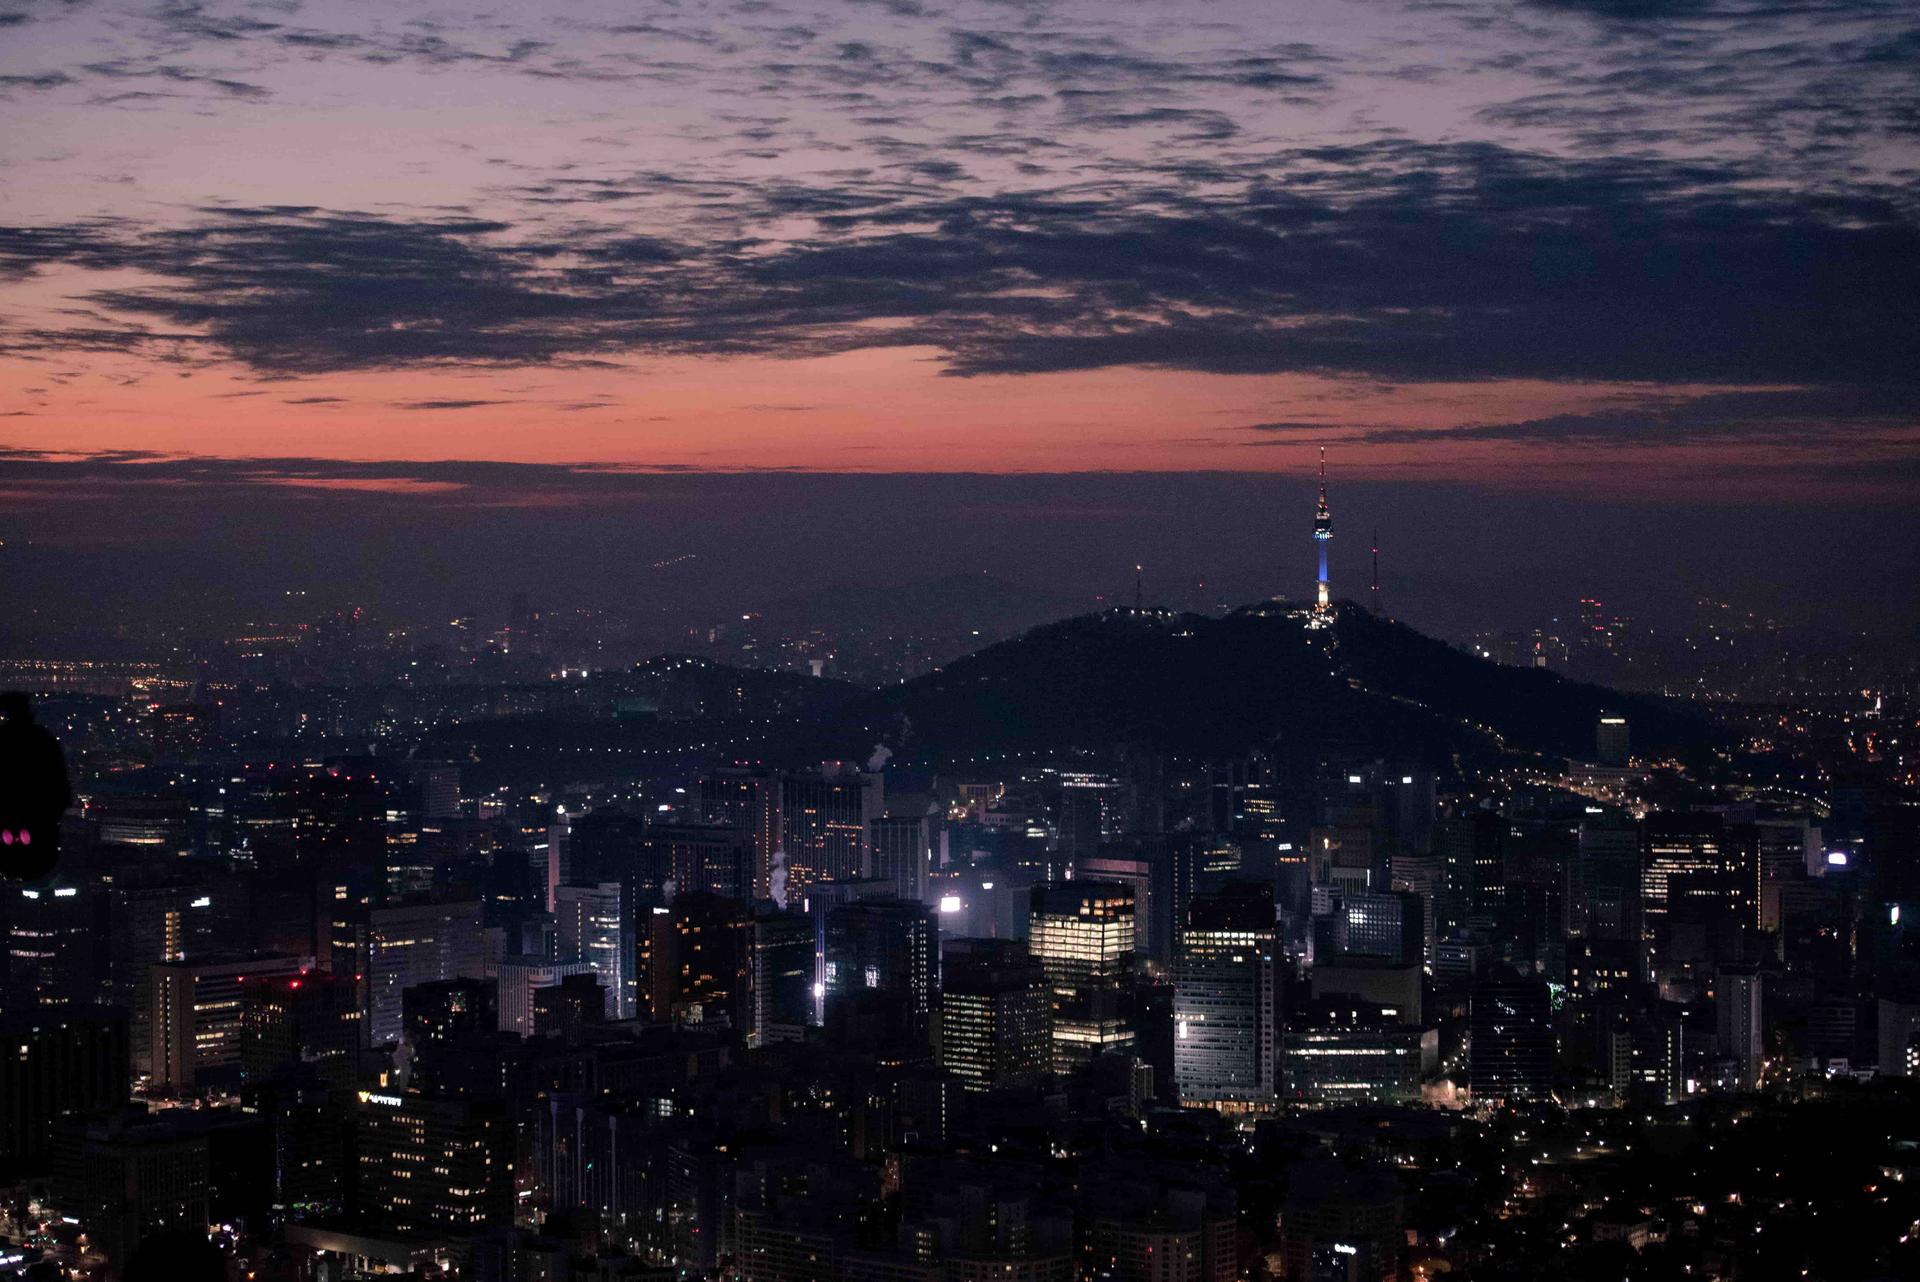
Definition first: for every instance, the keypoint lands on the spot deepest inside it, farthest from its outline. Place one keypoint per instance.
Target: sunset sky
(1621, 245)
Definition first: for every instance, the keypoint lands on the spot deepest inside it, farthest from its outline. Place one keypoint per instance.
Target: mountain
(1199, 685)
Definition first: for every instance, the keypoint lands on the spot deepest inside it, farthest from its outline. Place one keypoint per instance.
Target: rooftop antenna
(1139, 594)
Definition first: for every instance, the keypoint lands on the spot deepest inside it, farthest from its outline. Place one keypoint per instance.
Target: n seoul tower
(1322, 532)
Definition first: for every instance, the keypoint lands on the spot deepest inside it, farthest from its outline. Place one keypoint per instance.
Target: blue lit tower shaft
(1322, 532)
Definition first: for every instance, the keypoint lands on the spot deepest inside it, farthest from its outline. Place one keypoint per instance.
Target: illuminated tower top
(1322, 514)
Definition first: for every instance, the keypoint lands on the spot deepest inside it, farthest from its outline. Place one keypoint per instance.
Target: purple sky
(1644, 251)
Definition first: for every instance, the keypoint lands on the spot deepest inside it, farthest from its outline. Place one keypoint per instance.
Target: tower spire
(1322, 532)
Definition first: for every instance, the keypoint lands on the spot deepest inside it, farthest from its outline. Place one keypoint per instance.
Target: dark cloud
(1807, 417)
(1390, 259)
(446, 405)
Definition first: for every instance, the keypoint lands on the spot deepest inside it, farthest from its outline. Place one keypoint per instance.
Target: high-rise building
(902, 853)
(1225, 1025)
(128, 1176)
(1339, 1050)
(591, 927)
(823, 825)
(518, 976)
(1081, 933)
(198, 1013)
(995, 1011)
(429, 1161)
(52, 1064)
(53, 946)
(713, 859)
(1386, 925)
(1611, 743)
(444, 1009)
(1736, 1000)
(699, 959)
(166, 913)
(563, 1009)
(308, 1018)
(1510, 1039)
(749, 800)
(886, 946)
(782, 978)
(1701, 856)
(399, 946)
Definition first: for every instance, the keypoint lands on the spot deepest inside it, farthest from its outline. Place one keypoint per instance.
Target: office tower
(53, 946)
(612, 846)
(1698, 856)
(555, 853)
(1510, 1046)
(782, 978)
(161, 913)
(1162, 868)
(823, 825)
(1322, 535)
(1395, 986)
(1790, 848)
(404, 945)
(1606, 903)
(198, 1010)
(750, 801)
(161, 823)
(1388, 925)
(1225, 1027)
(52, 1064)
(444, 1009)
(995, 1013)
(1611, 743)
(1736, 1000)
(429, 1161)
(1085, 816)
(714, 859)
(1472, 852)
(885, 946)
(1339, 1050)
(518, 976)
(902, 853)
(1342, 859)
(306, 1018)
(563, 1009)
(592, 928)
(1081, 933)
(436, 790)
(1898, 1027)
(699, 955)
(127, 1177)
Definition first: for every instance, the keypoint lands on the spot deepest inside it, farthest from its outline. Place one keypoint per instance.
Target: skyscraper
(1081, 933)
(1224, 1001)
(198, 1012)
(889, 946)
(592, 927)
(782, 978)
(994, 1014)
(1510, 1047)
(1737, 1004)
(53, 1063)
(407, 944)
